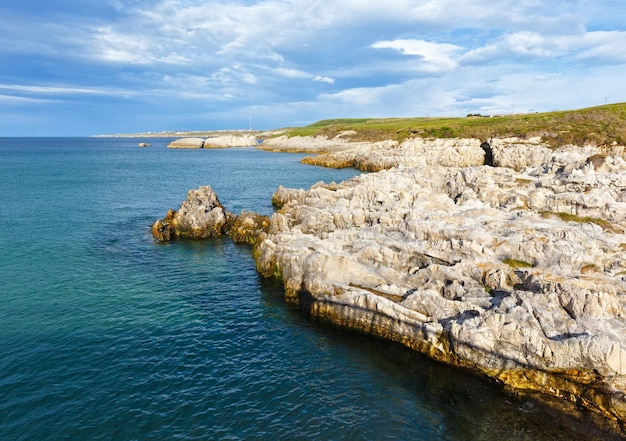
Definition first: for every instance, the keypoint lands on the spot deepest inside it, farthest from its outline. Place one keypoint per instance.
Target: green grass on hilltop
(602, 125)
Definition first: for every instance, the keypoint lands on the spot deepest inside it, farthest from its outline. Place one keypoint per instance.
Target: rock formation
(248, 227)
(186, 143)
(230, 141)
(202, 216)
(504, 257)
(517, 271)
(223, 141)
(388, 154)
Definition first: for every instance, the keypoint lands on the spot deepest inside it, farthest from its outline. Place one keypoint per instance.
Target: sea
(107, 335)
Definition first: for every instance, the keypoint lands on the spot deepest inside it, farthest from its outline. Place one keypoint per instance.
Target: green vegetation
(603, 125)
(514, 263)
(604, 224)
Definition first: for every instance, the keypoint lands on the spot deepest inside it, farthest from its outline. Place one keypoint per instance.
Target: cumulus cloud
(436, 57)
(404, 57)
(604, 47)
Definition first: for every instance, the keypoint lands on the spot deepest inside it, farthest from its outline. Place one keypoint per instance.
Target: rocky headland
(505, 257)
(223, 141)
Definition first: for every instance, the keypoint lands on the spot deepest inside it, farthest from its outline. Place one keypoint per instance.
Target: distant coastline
(177, 134)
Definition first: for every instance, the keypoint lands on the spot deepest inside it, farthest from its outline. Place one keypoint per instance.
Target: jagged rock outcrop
(515, 269)
(516, 272)
(248, 227)
(514, 153)
(202, 216)
(388, 154)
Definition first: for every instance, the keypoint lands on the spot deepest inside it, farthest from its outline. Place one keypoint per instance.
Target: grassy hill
(602, 125)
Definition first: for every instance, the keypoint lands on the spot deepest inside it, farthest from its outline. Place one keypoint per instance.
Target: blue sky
(80, 67)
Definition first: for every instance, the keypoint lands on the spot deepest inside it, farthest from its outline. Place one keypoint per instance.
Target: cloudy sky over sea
(78, 67)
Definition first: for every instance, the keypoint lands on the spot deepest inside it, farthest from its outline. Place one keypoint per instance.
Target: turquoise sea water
(106, 335)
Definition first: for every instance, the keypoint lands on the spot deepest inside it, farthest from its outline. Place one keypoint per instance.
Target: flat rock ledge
(202, 216)
(517, 272)
(225, 141)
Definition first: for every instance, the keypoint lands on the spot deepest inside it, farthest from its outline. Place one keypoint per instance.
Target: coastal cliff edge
(505, 257)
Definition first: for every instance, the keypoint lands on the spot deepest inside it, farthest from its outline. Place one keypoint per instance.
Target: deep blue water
(106, 335)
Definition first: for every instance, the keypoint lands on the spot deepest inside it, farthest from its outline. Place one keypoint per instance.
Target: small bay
(107, 335)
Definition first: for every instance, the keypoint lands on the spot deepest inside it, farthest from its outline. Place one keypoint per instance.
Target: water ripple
(106, 335)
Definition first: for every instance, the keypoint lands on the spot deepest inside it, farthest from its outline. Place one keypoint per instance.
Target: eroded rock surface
(388, 154)
(202, 216)
(516, 269)
(248, 227)
(223, 141)
(230, 141)
(518, 272)
(309, 144)
(186, 143)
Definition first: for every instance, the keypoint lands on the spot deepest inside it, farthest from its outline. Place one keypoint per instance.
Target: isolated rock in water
(518, 273)
(199, 217)
(202, 216)
(187, 143)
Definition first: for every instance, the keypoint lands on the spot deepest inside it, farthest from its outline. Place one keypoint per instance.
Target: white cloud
(11, 99)
(605, 47)
(436, 57)
(58, 90)
(608, 47)
(321, 79)
(290, 73)
(404, 57)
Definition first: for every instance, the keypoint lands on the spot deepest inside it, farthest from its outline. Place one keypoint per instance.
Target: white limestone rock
(200, 216)
(186, 143)
(518, 273)
(223, 141)
(226, 141)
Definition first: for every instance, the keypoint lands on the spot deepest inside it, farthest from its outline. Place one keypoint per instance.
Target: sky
(82, 67)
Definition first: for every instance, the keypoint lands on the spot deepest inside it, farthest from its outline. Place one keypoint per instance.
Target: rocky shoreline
(214, 142)
(504, 257)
